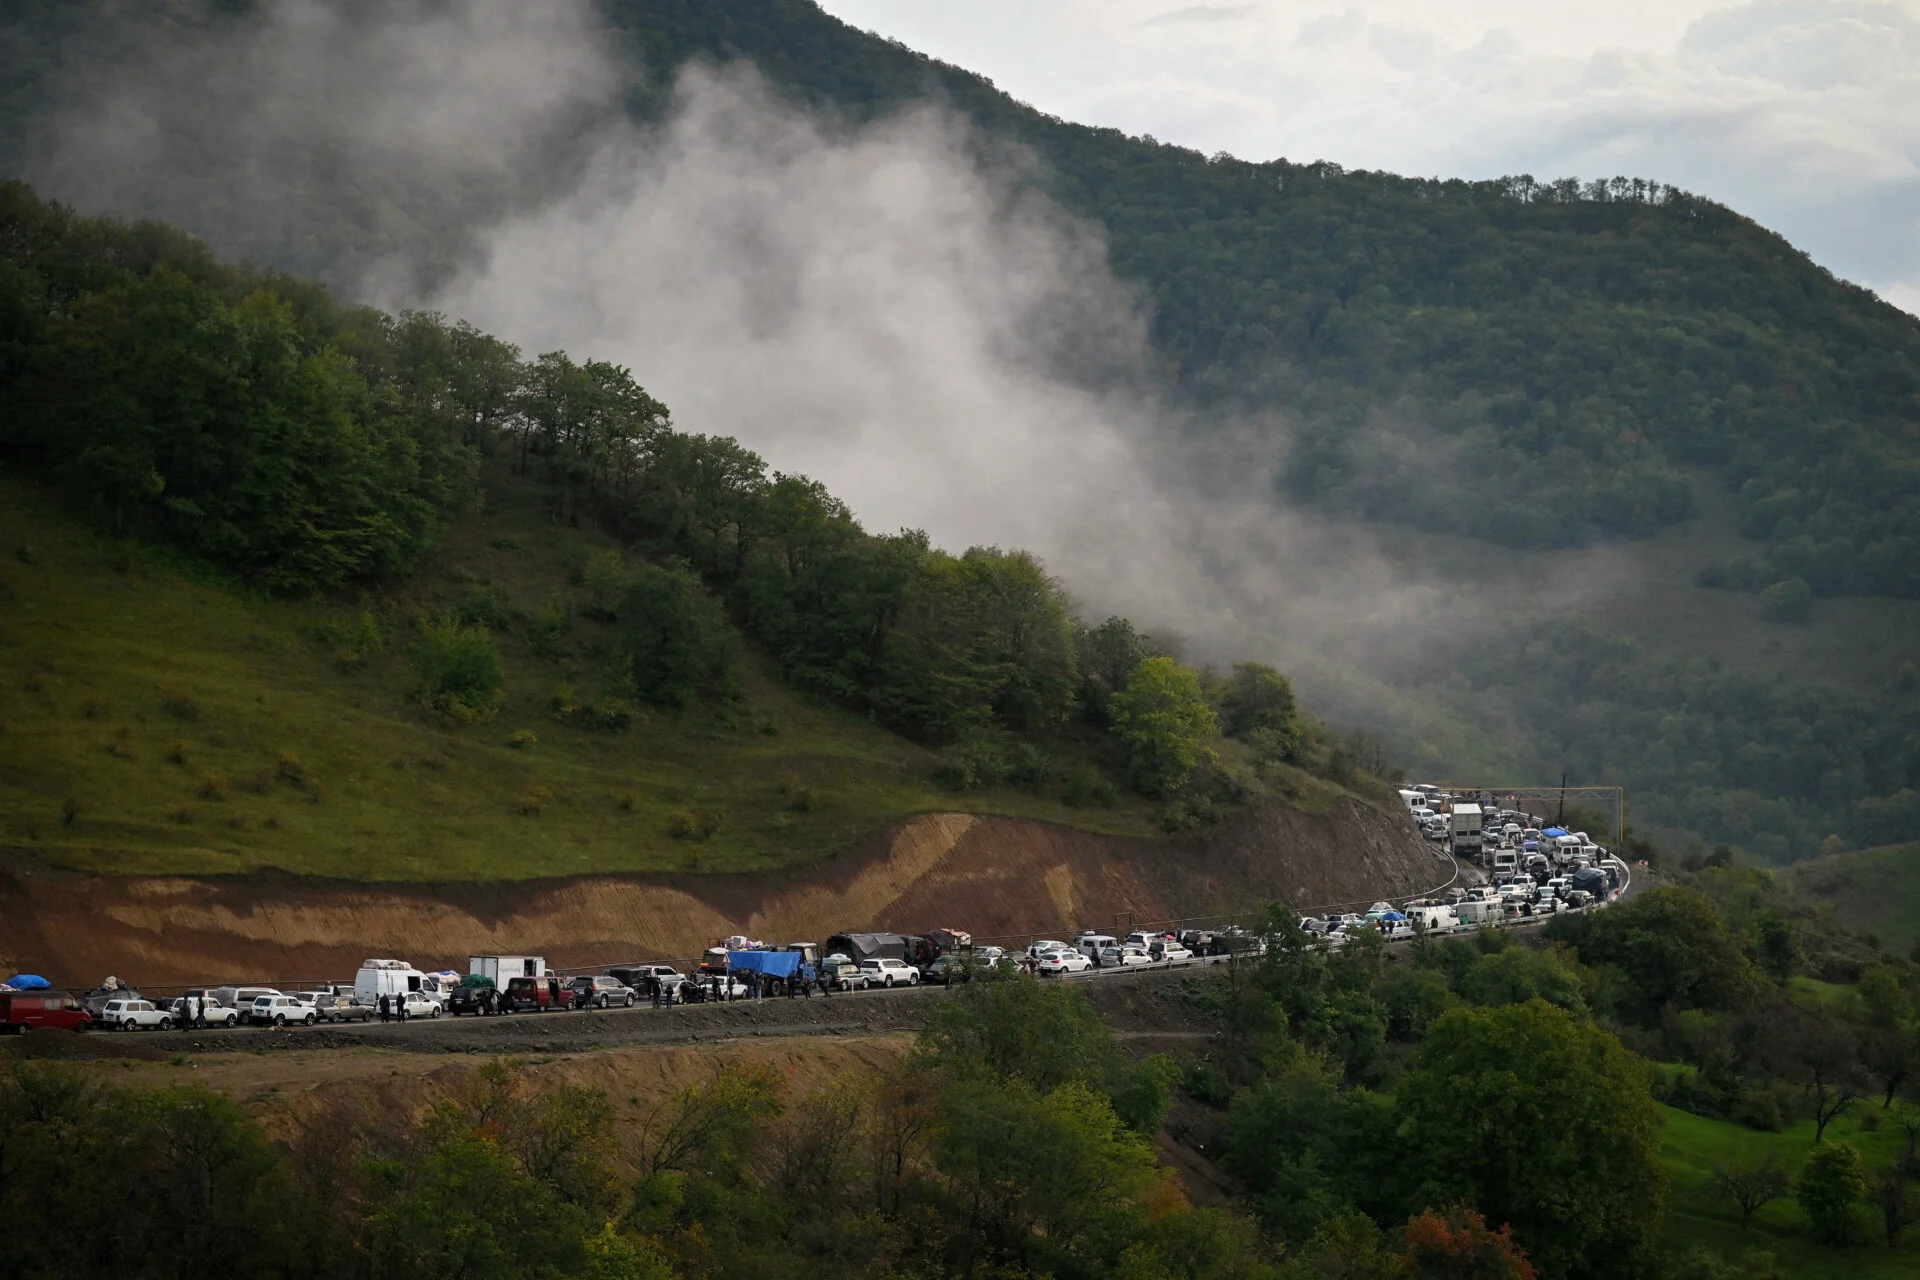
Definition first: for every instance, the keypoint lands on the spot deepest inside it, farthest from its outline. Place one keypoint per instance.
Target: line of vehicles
(1526, 882)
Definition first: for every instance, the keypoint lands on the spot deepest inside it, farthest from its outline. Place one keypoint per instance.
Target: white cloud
(1804, 114)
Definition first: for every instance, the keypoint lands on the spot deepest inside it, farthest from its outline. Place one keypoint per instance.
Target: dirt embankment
(997, 877)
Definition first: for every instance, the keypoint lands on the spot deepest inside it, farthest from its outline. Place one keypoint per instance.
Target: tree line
(303, 445)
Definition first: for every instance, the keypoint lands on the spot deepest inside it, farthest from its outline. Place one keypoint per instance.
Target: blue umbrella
(28, 982)
(1555, 832)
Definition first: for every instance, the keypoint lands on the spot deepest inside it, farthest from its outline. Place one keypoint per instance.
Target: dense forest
(1434, 342)
(249, 419)
(1483, 1107)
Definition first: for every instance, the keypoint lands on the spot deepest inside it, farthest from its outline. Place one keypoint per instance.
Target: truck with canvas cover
(869, 946)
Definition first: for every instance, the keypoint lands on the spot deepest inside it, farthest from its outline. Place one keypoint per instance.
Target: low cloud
(1803, 114)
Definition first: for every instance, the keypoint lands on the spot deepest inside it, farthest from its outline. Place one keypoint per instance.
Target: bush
(1086, 785)
(485, 607)
(682, 825)
(1832, 1187)
(675, 638)
(975, 763)
(459, 669)
(523, 739)
(534, 801)
(1789, 601)
(180, 706)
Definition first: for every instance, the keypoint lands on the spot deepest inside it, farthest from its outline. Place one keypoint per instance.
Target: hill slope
(198, 729)
(1874, 891)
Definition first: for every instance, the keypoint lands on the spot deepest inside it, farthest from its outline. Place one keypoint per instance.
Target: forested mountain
(1534, 364)
(1434, 340)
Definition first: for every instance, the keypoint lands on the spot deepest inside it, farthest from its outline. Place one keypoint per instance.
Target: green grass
(1874, 891)
(1692, 1145)
(146, 710)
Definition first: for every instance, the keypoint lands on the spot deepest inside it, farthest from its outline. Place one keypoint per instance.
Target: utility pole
(1561, 820)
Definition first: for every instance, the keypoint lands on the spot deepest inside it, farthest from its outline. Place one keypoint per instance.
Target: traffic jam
(1509, 868)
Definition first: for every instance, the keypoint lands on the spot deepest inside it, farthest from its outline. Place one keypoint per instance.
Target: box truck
(1464, 828)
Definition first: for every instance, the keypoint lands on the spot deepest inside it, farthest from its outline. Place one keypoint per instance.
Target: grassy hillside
(1692, 1146)
(1632, 388)
(1874, 891)
(198, 727)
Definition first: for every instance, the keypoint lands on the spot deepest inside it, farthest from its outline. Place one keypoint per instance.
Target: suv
(278, 1011)
(890, 973)
(1062, 959)
(840, 973)
(636, 975)
(602, 991)
(211, 1012)
(135, 1014)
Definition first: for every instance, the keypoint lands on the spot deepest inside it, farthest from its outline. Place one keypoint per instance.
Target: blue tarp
(29, 982)
(1555, 832)
(1392, 915)
(776, 964)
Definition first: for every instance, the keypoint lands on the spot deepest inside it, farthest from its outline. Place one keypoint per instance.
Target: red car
(539, 994)
(21, 1012)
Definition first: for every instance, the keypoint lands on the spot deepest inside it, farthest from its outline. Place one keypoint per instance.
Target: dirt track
(996, 877)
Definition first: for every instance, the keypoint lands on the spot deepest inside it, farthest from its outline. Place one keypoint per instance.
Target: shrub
(606, 579)
(180, 706)
(213, 787)
(682, 825)
(69, 811)
(627, 800)
(178, 752)
(522, 739)
(93, 708)
(485, 607)
(1833, 1185)
(287, 768)
(459, 669)
(978, 761)
(1087, 785)
(184, 815)
(676, 640)
(534, 801)
(1789, 601)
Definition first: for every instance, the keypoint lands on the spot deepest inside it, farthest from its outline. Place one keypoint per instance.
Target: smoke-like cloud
(256, 127)
(885, 306)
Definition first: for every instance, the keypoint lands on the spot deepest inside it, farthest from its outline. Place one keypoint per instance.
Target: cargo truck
(1464, 829)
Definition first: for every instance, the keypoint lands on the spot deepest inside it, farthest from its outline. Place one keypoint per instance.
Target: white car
(1045, 945)
(1169, 951)
(135, 1015)
(1062, 960)
(890, 973)
(418, 1004)
(1121, 957)
(212, 1012)
(278, 1011)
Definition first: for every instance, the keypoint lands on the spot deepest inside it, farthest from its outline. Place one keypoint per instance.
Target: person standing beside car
(383, 1006)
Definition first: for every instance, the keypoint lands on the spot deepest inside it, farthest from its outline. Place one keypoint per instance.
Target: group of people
(721, 988)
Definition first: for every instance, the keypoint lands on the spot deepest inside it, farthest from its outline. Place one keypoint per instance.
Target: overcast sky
(1804, 114)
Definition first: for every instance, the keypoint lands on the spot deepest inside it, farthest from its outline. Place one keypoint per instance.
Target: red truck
(21, 1012)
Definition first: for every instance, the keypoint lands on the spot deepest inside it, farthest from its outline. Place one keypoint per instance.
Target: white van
(1476, 914)
(1434, 919)
(391, 978)
(1091, 945)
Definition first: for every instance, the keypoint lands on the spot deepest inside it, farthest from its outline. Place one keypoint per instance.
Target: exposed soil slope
(998, 877)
